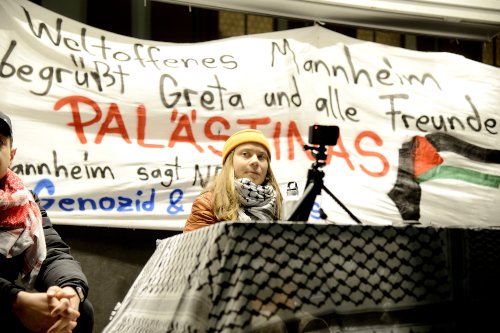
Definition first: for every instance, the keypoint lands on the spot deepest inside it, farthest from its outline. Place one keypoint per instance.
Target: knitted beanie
(244, 136)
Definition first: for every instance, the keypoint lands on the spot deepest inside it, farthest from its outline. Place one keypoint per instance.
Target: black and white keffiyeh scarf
(257, 202)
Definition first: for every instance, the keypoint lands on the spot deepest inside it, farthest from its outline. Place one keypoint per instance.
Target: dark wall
(111, 258)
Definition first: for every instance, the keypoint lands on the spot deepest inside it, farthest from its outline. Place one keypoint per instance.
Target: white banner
(117, 131)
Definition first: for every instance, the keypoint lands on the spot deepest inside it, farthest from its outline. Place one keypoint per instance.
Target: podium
(302, 277)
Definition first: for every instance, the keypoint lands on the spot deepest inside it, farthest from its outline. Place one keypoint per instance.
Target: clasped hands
(54, 311)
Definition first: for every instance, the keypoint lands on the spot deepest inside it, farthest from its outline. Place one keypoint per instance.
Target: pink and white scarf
(21, 229)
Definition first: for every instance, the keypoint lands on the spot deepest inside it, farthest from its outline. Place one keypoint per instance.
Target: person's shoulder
(206, 195)
(203, 202)
(35, 196)
(204, 199)
(37, 200)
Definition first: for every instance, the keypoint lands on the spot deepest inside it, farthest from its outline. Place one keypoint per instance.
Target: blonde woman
(244, 190)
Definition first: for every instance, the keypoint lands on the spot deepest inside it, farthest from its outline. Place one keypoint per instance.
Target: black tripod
(313, 188)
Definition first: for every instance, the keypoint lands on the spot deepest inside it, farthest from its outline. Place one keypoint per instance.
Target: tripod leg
(302, 208)
(341, 205)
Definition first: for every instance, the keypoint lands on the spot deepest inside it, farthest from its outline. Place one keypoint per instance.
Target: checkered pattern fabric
(257, 277)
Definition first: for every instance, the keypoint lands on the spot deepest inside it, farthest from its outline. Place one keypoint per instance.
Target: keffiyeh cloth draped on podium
(242, 277)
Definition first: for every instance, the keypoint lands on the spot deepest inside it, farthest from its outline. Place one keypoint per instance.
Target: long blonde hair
(225, 201)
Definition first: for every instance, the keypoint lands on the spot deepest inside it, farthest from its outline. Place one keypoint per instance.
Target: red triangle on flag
(426, 156)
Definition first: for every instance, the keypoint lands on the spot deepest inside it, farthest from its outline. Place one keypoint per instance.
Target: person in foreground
(244, 190)
(42, 287)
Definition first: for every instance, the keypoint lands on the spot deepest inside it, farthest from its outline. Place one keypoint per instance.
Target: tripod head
(319, 153)
(321, 136)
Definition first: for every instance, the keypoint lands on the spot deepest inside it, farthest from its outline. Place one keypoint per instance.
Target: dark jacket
(58, 269)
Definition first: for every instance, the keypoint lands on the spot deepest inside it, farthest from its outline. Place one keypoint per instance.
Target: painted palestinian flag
(421, 160)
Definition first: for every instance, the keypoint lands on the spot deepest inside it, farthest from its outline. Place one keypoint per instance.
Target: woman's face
(250, 160)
